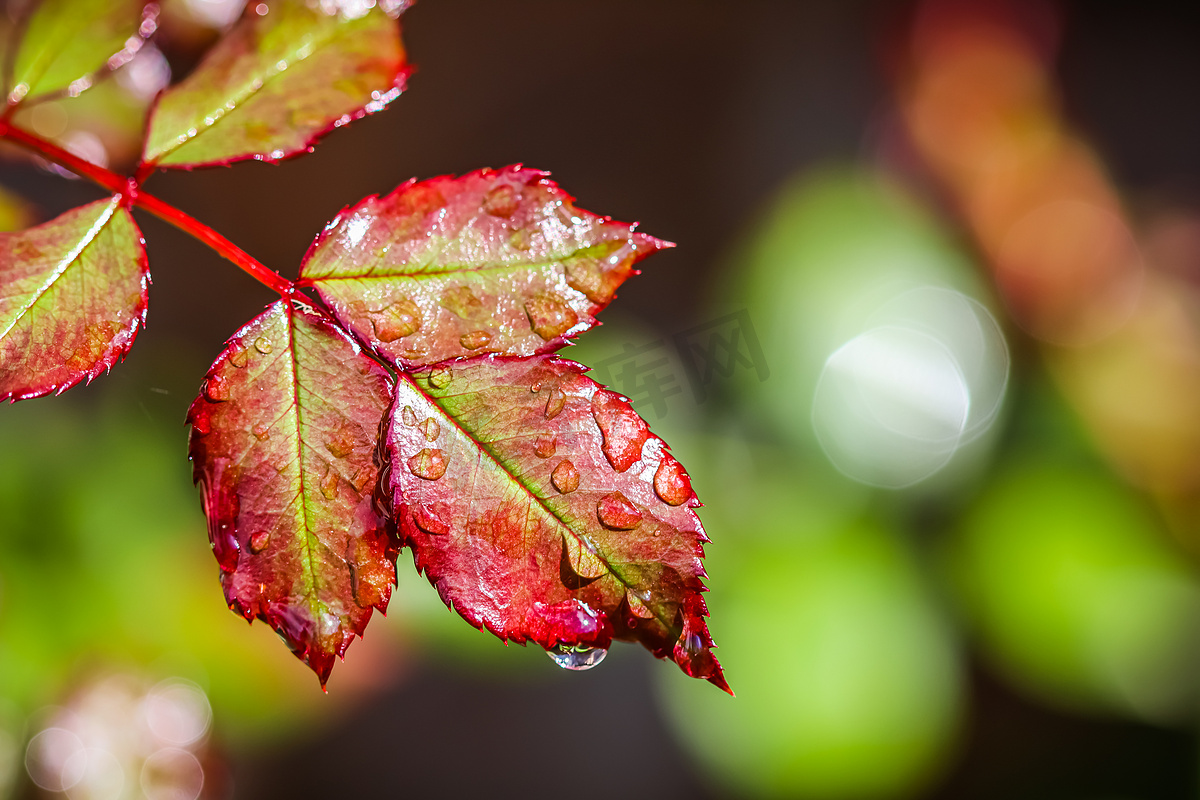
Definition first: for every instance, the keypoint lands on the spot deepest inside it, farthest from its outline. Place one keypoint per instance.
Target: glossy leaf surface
(72, 297)
(491, 262)
(276, 82)
(64, 42)
(283, 437)
(541, 507)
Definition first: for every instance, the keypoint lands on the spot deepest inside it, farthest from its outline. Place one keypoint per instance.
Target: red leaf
(72, 297)
(540, 506)
(277, 82)
(283, 438)
(494, 261)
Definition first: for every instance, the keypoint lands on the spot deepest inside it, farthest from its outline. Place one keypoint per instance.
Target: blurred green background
(928, 348)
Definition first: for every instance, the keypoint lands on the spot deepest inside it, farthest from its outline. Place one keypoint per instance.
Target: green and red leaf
(286, 74)
(491, 262)
(283, 439)
(541, 507)
(72, 298)
(63, 43)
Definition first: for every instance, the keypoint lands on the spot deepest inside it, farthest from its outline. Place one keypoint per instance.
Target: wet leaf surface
(283, 438)
(569, 549)
(72, 298)
(490, 262)
(278, 81)
(63, 42)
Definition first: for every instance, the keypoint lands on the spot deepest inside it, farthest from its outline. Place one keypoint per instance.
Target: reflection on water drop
(430, 429)
(259, 541)
(261, 432)
(440, 377)
(615, 512)
(549, 315)
(565, 477)
(671, 483)
(545, 445)
(263, 345)
(239, 357)
(576, 657)
(473, 340)
(216, 389)
(408, 415)
(429, 464)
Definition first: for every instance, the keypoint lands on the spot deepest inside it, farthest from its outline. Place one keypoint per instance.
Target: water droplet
(263, 345)
(473, 340)
(429, 464)
(565, 477)
(545, 445)
(239, 358)
(623, 430)
(671, 483)
(259, 541)
(429, 522)
(440, 377)
(329, 484)
(576, 657)
(261, 432)
(342, 443)
(363, 478)
(216, 389)
(555, 402)
(409, 417)
(549, 315)
(430, 428)
(520, 240)
(638, 605)
(583, 559)
(398, 320)
(615, 512)
(462, 302)
(501, 201)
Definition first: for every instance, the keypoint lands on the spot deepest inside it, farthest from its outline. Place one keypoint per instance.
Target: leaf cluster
(402, 392)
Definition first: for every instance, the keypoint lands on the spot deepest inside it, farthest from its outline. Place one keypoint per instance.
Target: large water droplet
(440, 377)
(565, 477)
(501, 201)
(259, 541)
(429, 464)
(638, 605)
(429, 522)
(549, 316)
(576, 657)
(555, 402)
(473, 340)
(671, 483)
(329, 484)
(545, 445)
(398, 320)
(363, 478)
(430, 429)
(216, 389)
(409, 416)
(239, 357)
(623, 430)
(263, 345)
(615, 512)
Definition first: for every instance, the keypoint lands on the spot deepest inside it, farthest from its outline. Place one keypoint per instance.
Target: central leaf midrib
(483, 447)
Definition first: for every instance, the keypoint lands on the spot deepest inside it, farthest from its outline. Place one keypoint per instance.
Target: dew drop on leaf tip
(576, 657)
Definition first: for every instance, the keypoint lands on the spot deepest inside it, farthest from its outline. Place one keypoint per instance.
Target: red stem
(129, 188)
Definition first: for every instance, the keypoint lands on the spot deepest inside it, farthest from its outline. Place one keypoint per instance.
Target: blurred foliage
(106, 566)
